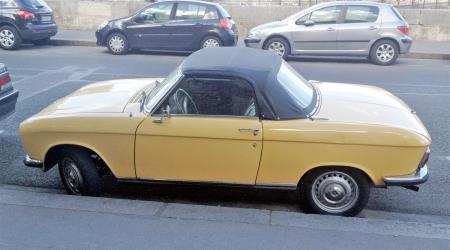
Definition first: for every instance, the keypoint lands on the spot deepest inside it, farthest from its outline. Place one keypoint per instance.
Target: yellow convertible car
(234, 116)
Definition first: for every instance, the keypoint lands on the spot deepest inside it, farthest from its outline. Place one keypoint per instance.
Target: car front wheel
(9, 38)
(117, 44)
(79, 173)
(384, 52)
(335, 191)
(279, 46)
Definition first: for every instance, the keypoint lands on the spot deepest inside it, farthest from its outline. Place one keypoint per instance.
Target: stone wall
(426, 24)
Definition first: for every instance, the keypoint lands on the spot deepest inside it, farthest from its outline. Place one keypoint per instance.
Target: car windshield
(299, 90)
(162, 88)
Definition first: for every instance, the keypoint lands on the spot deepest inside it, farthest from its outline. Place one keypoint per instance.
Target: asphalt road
(44, 74)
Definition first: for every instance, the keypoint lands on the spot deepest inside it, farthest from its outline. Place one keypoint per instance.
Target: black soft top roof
(259, 67)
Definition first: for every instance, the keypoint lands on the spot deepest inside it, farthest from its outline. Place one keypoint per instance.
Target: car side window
(361, 14)
(212, 96)
(327, 15)
(157, 12)
(192, 11)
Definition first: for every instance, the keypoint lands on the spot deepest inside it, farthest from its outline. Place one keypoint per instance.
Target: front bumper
(253, 43)
(419, 177)
(32, 163)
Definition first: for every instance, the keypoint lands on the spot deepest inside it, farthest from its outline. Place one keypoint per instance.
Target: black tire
(216, 40)
(121, 48)
(313, 205)
(283, 42)
(41, 42)
(89, 180)
(17, 39)
(384, 45)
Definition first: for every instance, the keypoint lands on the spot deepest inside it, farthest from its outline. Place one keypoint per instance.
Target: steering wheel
(182, 100)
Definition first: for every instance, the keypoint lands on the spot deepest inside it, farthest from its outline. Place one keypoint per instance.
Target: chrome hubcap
(116, 44)
(335, 192)
(211, 43)
(278, 48)
(385, 52)
(7, 38)
(72, 176)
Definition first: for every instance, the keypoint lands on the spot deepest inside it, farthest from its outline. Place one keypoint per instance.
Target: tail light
(225, 23)
(25, 14)
(4, 80)
(404, 29)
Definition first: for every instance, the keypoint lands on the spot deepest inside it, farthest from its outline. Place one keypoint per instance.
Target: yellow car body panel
(369, 129)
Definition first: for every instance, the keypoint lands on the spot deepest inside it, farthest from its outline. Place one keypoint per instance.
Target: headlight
(103, 25)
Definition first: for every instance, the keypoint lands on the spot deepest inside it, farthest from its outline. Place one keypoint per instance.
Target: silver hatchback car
(350, 28)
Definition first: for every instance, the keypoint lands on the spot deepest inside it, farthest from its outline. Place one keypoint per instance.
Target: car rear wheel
(279, 46)
(79, 173)
(41, 42)
(211, 41)
(117, 44)
(335, 191)
(9, 38)
(384, 52)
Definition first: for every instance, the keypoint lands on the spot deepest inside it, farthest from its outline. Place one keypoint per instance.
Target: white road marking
(441, 157)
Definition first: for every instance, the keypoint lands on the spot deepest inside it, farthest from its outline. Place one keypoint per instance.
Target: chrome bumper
(419, 177)
(32, 163)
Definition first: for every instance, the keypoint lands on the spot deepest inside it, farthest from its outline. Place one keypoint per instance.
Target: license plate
(46, 18)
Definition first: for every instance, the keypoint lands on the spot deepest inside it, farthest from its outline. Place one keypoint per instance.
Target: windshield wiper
(143, 100)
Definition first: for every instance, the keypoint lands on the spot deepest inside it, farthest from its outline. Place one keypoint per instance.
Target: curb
(412, 55)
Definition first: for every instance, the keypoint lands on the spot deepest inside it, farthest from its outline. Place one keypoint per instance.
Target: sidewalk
(41, 218)
(419, 50)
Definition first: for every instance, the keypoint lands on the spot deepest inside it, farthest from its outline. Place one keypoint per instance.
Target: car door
(361, 24)
(213, 134)
(185, 30)
(316, 32)
(147, 30)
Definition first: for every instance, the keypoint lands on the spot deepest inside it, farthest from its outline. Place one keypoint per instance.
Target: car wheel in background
(79, 173)
(9, 38)
(41, 42)
(279, 46)
(335, 191)
(384, 52)
(211, 41)
(117, 44)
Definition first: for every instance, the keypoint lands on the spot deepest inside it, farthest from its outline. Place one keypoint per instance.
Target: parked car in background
(25, 21)
(350, 28)
(234, 116)
(8, 95)
(170, 26)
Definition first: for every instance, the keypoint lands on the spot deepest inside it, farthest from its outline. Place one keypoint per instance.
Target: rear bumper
(8, 103)
(36, 32)
(32, 163)
(419, 177)
(405, 45)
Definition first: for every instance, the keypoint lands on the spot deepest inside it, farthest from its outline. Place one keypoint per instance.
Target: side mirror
(139, 18)
(308, 23)
(164, 114)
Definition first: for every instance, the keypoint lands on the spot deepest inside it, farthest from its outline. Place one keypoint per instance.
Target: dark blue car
(8, 95)
(25, 21)
(170, 26)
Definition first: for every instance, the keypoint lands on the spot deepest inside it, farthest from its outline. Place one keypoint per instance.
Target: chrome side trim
(30, 162)
(419, 177)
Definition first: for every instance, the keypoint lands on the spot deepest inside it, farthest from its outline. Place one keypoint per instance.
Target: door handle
(251, 130)
(372, 28)
(330, 29)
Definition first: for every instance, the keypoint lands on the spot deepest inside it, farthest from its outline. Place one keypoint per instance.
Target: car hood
(362, 104)
(268, 26)
(102, 97)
